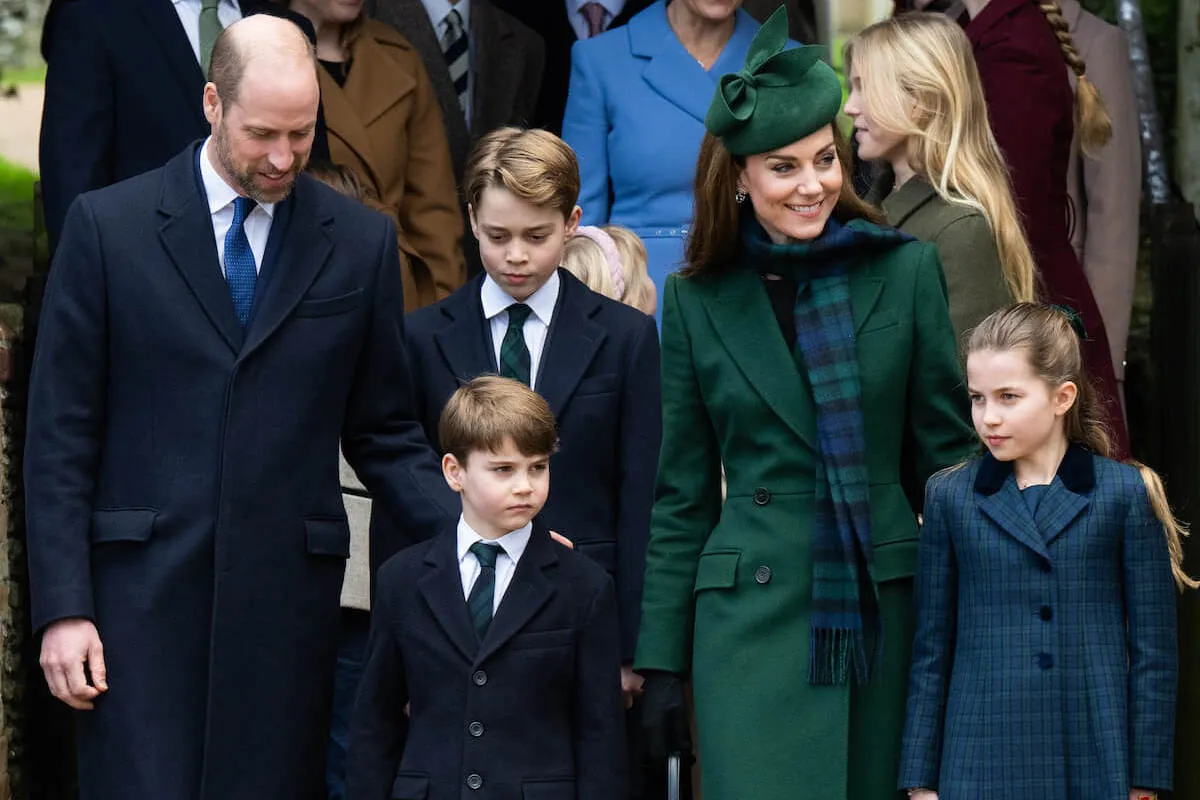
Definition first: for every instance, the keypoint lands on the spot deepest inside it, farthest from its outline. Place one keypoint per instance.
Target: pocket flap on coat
(328, 306)
(548, 790)
(717, 570)
(410, 787)
(895, 560)
(123, 524)
(328, 537)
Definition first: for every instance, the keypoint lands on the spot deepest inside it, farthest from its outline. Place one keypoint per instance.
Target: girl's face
(874, 142)
(1016, 413)
(794, 189)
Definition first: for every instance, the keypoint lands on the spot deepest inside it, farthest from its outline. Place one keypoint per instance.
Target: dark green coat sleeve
(687, 501)
(974, 278)
(939, 411)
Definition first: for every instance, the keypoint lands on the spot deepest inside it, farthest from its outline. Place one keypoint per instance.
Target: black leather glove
(665, 728)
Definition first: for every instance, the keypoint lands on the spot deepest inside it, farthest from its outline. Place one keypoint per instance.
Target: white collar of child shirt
(512, 547)
(220, 197)
(542, 302)
(438, 9)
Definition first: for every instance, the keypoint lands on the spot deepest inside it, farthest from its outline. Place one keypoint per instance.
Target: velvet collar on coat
(1077, 472)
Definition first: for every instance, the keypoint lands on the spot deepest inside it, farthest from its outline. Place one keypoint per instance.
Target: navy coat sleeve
(65, 424)
(1153, 654)
(382, 437)
(380, 725)
(78, 114)
(641, 438)
(933, 643)
(600, 754)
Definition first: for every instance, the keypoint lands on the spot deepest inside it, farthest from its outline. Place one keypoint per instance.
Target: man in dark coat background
(123, 88)
(186, 534)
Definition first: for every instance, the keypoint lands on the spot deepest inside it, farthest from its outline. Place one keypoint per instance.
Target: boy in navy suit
(595, 360)
(493, 663)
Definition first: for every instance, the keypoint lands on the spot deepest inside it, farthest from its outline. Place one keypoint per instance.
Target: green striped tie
(483, 593)
(210, 29)
(514, 355)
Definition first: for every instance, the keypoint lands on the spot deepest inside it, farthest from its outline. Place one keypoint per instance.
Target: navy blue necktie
(240, 270)
(483, 593)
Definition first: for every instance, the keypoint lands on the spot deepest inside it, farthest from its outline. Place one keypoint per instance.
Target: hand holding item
(665, 716)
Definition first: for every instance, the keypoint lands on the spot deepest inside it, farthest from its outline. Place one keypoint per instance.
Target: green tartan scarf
(846, 628)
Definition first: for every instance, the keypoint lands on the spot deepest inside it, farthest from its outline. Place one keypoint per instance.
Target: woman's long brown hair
(712, 243)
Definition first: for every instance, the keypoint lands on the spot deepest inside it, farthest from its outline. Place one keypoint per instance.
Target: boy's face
(520, 244)
(502, 490)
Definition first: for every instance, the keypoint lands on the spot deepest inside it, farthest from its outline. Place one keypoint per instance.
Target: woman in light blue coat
(635, 117)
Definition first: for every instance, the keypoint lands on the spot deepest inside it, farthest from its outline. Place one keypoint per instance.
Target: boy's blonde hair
(535, 165)
(627, 281)
(489, 409)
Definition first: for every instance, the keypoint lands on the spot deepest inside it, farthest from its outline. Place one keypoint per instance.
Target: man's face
(263, 138)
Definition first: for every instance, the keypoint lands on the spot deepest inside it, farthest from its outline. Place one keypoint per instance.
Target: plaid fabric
(845, 621)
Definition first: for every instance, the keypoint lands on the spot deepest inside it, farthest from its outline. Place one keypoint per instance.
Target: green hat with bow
(779, 96)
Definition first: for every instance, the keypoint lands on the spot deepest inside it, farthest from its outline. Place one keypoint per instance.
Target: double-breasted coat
(182, 477)
(386, 126)
(1045, 660)
(728, 586)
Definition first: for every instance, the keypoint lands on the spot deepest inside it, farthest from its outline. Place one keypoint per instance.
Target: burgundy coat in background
(1032, 111)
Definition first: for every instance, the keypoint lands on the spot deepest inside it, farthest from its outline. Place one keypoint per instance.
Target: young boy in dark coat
(494, 659)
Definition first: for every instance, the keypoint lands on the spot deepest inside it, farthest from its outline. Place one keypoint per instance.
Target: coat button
(479, 678)
(762, 574)
(475, 729)
(1046, 613)
(474, 781)
(1045, 660)
(1044, 566)
(761, 496)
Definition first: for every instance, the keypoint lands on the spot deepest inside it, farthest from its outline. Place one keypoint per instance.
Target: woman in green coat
(920, 114)
(810, 352)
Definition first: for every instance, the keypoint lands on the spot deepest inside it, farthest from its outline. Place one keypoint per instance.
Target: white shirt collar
(438, 9)
(542, 301)
(512, 543)
(220, 194)
(614, 7)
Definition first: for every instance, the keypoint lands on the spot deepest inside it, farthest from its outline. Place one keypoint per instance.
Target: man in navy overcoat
(186, 533)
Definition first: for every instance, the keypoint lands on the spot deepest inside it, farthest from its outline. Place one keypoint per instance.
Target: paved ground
(20, 118)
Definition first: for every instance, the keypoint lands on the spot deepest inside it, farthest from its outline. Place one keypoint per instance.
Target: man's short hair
(227, 66)
(488, 410)
(535, 165)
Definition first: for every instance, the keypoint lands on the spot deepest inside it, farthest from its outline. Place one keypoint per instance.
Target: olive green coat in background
(740, 577)
(975, 282)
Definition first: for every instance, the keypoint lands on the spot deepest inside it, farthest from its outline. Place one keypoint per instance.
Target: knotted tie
(594, 14)
(210, 29)
(457, 53)
(514, 355)
(240, 271)
(483, 593)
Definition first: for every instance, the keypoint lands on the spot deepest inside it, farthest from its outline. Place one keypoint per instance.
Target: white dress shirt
(228, 12)
(512, 547)
(220, 206)
(579, 22)
(438, 11)
(542, 302)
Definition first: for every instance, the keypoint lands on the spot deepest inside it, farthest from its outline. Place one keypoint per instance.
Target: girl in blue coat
(1045, 661)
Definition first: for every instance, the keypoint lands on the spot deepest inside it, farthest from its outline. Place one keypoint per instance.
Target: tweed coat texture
(728, 586)
(1045, 660)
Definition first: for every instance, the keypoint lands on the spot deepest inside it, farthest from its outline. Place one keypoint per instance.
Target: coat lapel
(1069, 495)
(669, 70)
(187, 236)
(442, 589)
(466, 343)
(168, 35)
(300, 256)
(907, 200)
(571, 343)
(998, 497)
(527, 593)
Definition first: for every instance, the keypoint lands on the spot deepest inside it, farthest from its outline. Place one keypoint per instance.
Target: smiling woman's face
(794, 189)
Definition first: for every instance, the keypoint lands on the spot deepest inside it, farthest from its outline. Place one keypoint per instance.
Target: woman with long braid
(1023, 49)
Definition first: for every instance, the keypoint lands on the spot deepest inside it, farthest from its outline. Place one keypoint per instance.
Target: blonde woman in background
(918, 109)
(612, 261)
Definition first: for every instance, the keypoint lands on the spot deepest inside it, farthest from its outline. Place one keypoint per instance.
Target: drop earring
(740, 196)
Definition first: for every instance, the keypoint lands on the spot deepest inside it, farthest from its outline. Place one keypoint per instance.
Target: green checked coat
(728, 589)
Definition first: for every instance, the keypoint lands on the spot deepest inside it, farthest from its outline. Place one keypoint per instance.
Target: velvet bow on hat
(780, 96)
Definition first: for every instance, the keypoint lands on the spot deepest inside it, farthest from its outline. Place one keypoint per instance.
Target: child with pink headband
(611, 261)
